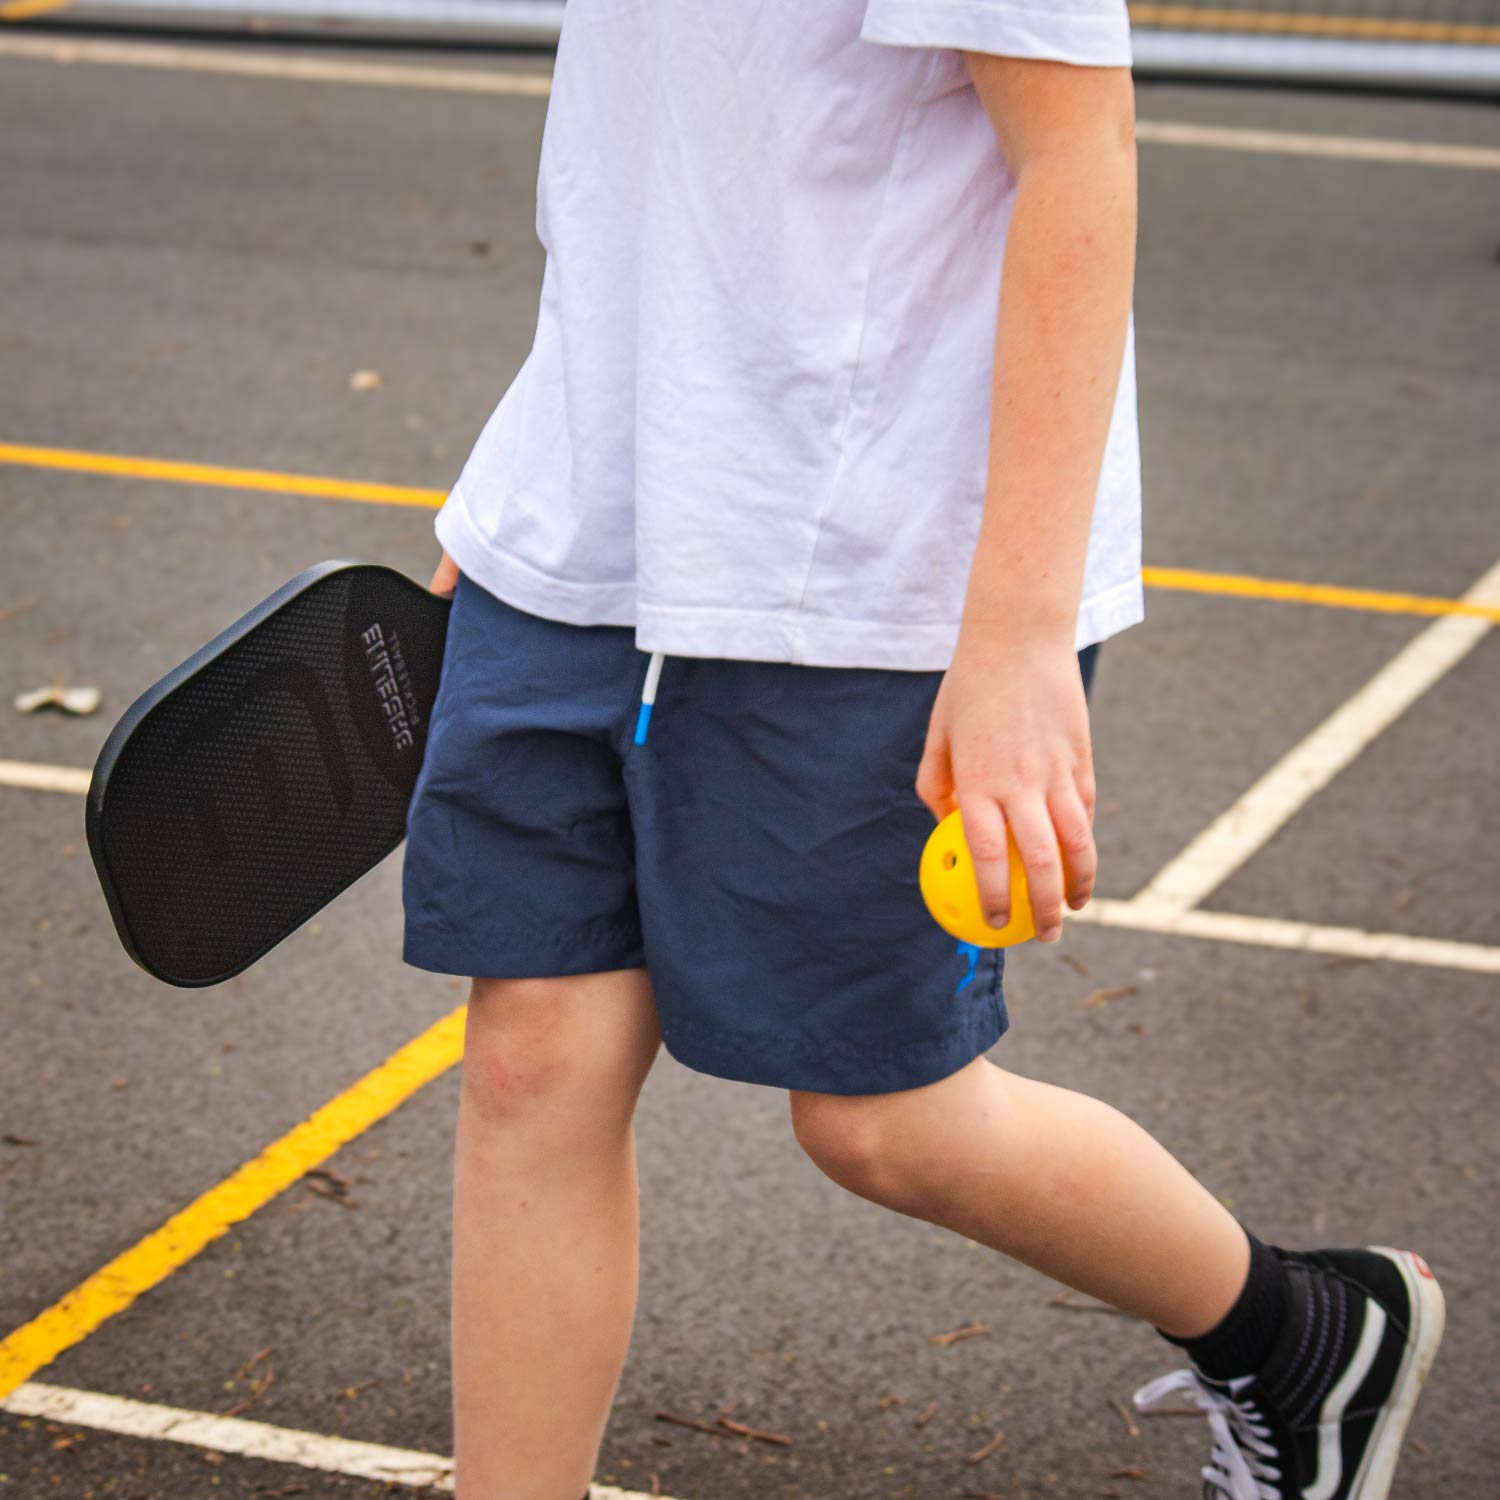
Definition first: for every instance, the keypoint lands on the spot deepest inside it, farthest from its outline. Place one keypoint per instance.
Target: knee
(857, 1141)
(529, 1064)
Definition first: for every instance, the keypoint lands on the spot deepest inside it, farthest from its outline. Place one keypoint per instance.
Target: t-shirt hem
(803, 639)
(794, 637)
(1003, 29)
(522, 586)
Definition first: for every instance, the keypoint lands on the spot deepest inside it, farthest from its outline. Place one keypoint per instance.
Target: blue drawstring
(648, 697)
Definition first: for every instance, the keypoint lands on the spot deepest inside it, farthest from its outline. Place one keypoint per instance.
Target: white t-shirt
(754, 422)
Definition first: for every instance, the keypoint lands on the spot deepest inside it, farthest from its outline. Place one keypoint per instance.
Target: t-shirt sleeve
(1092, 32)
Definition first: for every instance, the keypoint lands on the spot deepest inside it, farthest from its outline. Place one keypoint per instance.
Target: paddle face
(268, 772)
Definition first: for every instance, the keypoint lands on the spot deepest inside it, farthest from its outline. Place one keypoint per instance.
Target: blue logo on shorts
(971, 952)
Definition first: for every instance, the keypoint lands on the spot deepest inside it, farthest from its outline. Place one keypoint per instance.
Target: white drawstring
(1241, 1442)
(648, 697)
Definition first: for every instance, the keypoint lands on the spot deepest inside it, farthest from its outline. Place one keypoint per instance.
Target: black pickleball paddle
(273, 768)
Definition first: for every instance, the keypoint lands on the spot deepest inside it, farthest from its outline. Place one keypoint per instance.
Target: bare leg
(545, 1226)
(1051, 1178)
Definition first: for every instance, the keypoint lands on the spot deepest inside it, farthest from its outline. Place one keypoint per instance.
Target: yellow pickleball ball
(951, 890)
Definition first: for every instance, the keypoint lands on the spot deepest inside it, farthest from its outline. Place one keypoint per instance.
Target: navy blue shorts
(757, 854)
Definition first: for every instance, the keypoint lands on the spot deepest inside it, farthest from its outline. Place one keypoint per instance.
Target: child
(776, 462)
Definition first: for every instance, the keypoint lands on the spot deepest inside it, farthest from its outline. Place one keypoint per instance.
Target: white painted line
(253, 63)
(1452, 67)
(1246, 827)
(528, 20)
(1305, 937)
(1337, 147)
(37, 778)
(244, 1439)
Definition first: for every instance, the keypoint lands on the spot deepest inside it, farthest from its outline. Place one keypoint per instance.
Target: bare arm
(1009, 739)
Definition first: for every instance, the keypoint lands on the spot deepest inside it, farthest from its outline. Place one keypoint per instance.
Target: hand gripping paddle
(268, 772)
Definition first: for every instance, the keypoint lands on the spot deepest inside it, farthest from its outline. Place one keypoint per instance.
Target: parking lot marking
(24, 10)
(289, 67)
(1335, 147)
(1365, 28)
(38, 778)
(1330, 596)
(298, 68)
(1302, 937)
(322, 487)
(216, 476)
(245, 1439)
(114, 1287)
(280, 1445)
(1246, 827)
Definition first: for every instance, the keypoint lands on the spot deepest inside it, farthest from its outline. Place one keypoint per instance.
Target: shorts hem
(835, 1068)
(438, 953)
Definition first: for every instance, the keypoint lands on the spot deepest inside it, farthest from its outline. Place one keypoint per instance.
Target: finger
(935, 777)
(1083, 780)
(445, 578)
(1031, 827)
(1075, 838)
(984, 832)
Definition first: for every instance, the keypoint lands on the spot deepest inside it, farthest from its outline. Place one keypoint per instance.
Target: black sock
(1240, 1343)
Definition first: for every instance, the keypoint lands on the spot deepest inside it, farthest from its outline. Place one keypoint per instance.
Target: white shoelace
(1242, 1444)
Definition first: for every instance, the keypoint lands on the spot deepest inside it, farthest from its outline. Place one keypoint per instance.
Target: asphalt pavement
(194, 268)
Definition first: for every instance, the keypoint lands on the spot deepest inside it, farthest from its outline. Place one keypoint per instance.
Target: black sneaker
(1325, 1416)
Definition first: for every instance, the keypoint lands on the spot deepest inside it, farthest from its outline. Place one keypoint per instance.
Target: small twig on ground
(1132, 1471)
(1097, 999)
(924, 1416)
(349, 1392)
(886, 1402)
(1064, 1300)
(968, 1331)
(754, 1433)
(259, 1357)
(994, 1445)
(1173, 1411)
(258, 1388)
(1125, 1417)
(697, 1426)
(339, 1195)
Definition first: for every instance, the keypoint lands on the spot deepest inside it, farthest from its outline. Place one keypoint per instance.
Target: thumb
(935, 776)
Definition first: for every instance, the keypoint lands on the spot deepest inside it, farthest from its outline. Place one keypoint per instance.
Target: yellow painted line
(122, 466)
(1287, 23)
(114, 1287)
(1187, 580)
(23, 10)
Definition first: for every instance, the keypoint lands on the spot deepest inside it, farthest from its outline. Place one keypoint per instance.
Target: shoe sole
(1373, 1482)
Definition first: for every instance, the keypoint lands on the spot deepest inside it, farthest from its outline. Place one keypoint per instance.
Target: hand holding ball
(951, 890)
